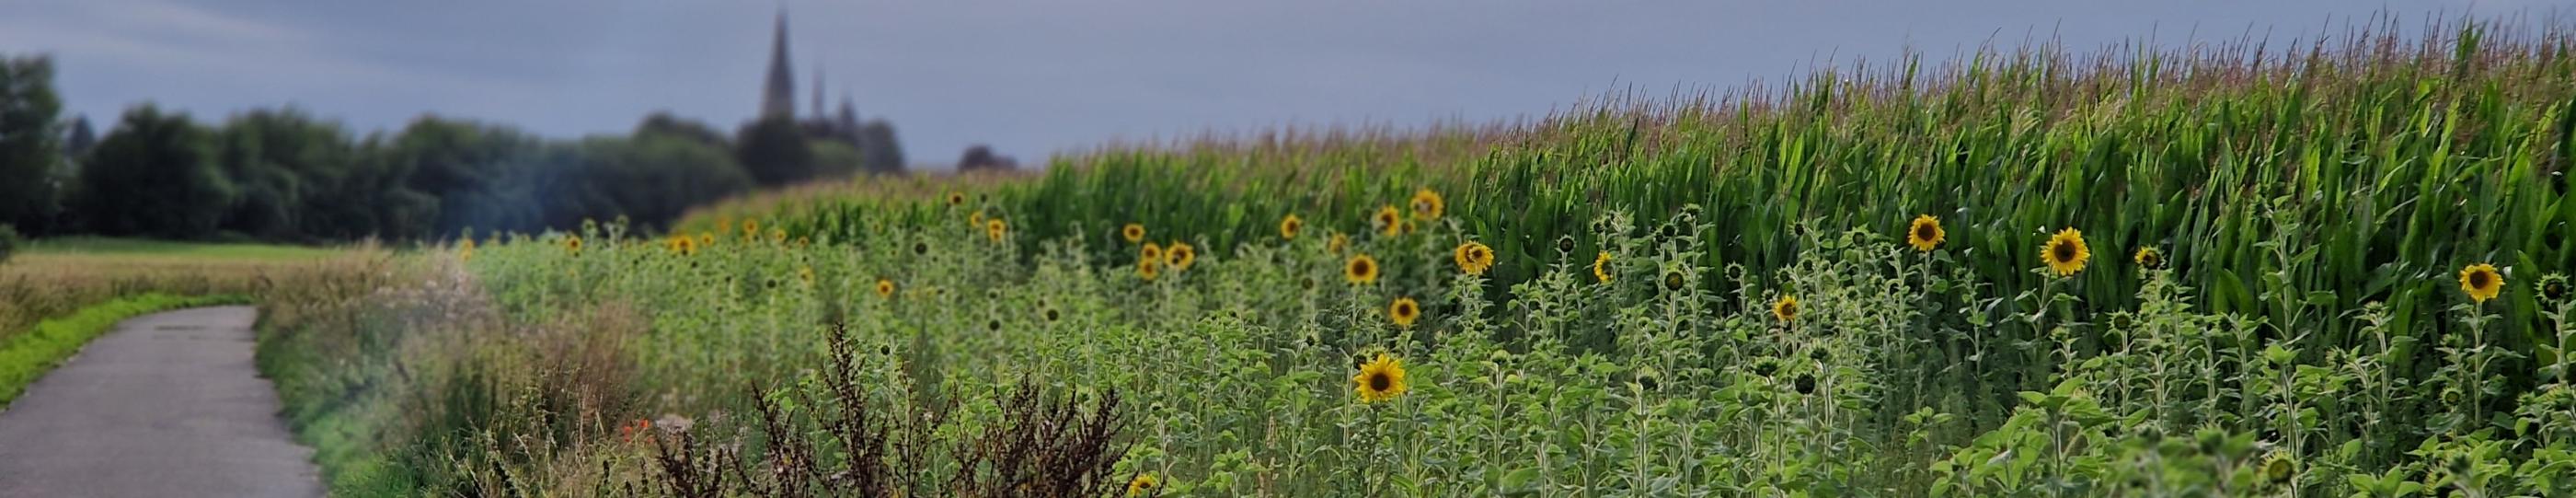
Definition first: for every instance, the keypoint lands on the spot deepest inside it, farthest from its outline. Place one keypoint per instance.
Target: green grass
(109, 246)
(27, 356)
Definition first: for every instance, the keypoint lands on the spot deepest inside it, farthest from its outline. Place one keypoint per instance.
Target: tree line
(283, 175)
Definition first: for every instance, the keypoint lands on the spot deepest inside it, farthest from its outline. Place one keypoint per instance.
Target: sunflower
(920, 248)
(2148, 258)
(1143, 485)
(1290, 225)
(750, 229)
(1339, 241)
(1361, 269)
(1380, 380)
(1388, 221)
(1133, 232)
(685, 245)
(2280, 468)
(1785, 309)
(2481, 282)
(994, 229)
(801, 242)
(465, 251)
(777, 236)
(1427, 204)
(885, 288)
(724, 225)
(1601, 267)
(1674, 280)
(1474, 258)
(706, 240)
(1925, 234)
(805, 274)
(1151, 252)
(1148, 269)
(1805, 383)
(956, 198)
(1564, 245)
(1180, 255)
(2065, 252)
(976, 219)
(573, 245)
(2553, 287)
(1403, 311)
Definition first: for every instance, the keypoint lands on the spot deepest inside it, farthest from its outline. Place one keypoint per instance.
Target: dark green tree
(30, 145)
(878, 148)
(774, 152)
(153, 176)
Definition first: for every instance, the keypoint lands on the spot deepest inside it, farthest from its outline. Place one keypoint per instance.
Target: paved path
(165, 405)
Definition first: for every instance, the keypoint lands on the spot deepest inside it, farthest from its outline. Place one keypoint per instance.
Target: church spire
(818, 90)
(778, 100)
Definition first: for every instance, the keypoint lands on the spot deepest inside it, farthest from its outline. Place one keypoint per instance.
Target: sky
(1034, 77)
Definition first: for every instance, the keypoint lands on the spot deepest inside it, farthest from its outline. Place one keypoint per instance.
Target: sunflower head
(706, 240)
(1674, 281)
(1427, 204)
(2280, 468)
(1143, 485)
(1564, 245)
(1473, 257)
(956, 198)
(1805, 383)
(1338, 242)
(572, 244)
(1151, 252)
(1052, 314)
(1381, 379)
(1785, 309)
(777, 236)
(920, 248)
(1133, 232)
(2065, 252)
(1148, 269)
(885, 288)
(751, 229)
(685, 245)
(1180, 255)
(1361, 269)
(1925, 233)
(465, 251)
(2148, 258)
(1289, 226)
(1403, 311)
(975, 219)
(1388, 221)
(2553, 287)
(994, 229)
(2482, 282)
(1601, 267)
(805, 274)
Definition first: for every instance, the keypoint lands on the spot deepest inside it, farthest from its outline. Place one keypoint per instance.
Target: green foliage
(26, 356)
(775, 152)
(30, 147)
(9, 242)
(154, 176)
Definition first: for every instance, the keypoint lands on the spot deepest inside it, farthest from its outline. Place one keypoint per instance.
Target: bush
(8, 242)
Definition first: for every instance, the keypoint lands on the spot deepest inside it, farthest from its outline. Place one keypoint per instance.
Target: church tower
(779, 99)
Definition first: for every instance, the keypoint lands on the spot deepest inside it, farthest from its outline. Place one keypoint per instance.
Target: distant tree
(653, 178)
(153, 176)
(79, 139)
(467, 166)
(277, 158)
(774, 151)
(981, 157)
(30, 146)
(835, 159)
(663, 123)
(878, 149)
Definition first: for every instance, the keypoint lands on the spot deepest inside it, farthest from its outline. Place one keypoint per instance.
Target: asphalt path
(168, 404)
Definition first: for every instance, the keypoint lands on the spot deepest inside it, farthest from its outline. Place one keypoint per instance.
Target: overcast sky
(1036, 76)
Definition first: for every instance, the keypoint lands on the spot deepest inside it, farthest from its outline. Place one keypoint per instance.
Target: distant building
(779, 99)
(873, 138)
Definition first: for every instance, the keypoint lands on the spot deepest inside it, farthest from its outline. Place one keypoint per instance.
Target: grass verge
(26, 357)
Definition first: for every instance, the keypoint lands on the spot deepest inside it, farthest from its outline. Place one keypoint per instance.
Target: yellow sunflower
(1143, 485)
(706, 240)
(1134, 232)
(1151, 252)
(1388, 222)
(1339, 241)
(1180, 255)
(1785, 309)
(1361, 269)
(1925, 234)
(572, 244)
(1601, 267)
(750, 229)
(1473, 257)
(956, 198)
(1403, 311)
(685, 245)
(777, 236)
(805, 274)
(994, 229)
(2066, 253)
(465, 251)
(2148, 258)
(724, 225)
(885, 288)
(975, 219)
(2482, 282)
(1427, 204)
(1289, 226)
(1380, 380)
(1148, 269)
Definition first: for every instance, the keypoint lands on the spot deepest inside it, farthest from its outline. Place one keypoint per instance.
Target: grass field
(2235, 271)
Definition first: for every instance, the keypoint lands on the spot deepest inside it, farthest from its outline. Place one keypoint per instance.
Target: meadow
(2237, 270)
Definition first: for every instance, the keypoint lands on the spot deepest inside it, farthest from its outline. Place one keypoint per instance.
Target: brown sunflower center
(1924, 232)
(1363, 268)
(2478, 279)
(1404, 310)
(2062, 252)
(1380, 382)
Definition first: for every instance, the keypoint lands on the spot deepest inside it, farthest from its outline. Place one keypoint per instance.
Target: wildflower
(1601, 267)
(572, 244)
(706, 240)
(777, 236)
(956, 198)
(1133, 232)
(2148, 258)
(1380, 380)
(465, 251)
(1143, 485)
(685, 245)
(2066, 253)
(1427, 204)
(1403, 311)
(885, 288)
(1388, 222)
(1339, 241)
(805, 274)
(1785, 309)
(1361, 269)
(1151, 252)
(1149, 268)
(2481, 282)
(1180, 255)
(994, 229)
(1473, 257)
(1925, 234)
(1289, 226)
(751, 229)
(975, 219)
